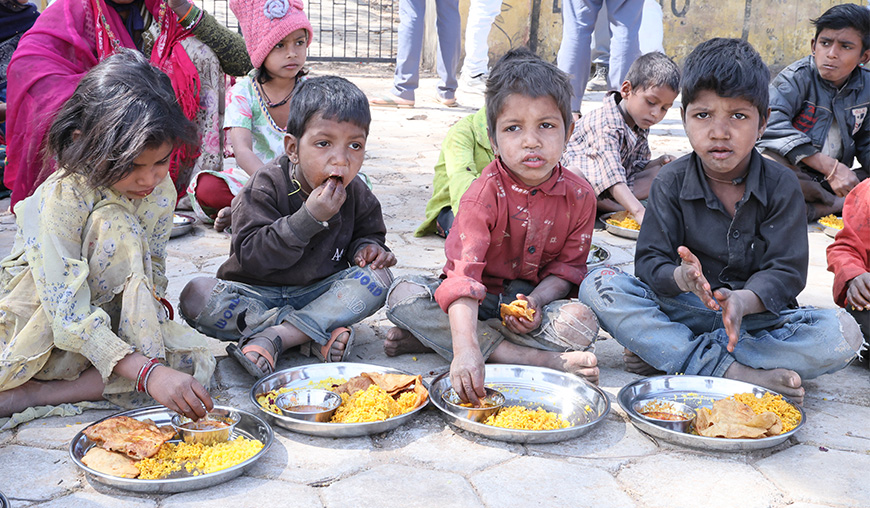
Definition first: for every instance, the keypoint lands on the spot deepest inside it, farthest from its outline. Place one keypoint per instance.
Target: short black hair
(843, 16)
(333, 97)
(522, 72)
(729, 68)
(120, 108)
(653, 69)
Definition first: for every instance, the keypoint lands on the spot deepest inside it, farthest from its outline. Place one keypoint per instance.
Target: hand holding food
(467, 375)
(325, 201)
(179, 392)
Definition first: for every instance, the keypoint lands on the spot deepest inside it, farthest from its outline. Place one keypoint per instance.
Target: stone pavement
(428, 463)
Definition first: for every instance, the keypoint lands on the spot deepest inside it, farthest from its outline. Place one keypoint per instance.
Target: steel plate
(300, 377)
(597, 255)
(581, 403)
(4, 503)
(250, 426)
(617, 230)
(696, 391)
(181, 224)
(830, 231)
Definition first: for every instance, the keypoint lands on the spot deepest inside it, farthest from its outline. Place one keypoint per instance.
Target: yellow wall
(779, 29)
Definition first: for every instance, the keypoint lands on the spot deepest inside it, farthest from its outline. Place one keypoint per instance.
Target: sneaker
(598, 83)
(474, 84)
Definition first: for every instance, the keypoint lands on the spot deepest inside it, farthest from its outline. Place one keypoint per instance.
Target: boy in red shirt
(523, 232)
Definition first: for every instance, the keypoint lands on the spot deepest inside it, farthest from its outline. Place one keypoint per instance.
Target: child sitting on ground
(818, 111)
(464, 153)
(849, 259)
(82, 306)
(609, 146)
(724, 251)
(277, 40)
(308, 256)
(522, 233)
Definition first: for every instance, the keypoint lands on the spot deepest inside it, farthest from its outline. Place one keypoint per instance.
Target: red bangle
(143, 373)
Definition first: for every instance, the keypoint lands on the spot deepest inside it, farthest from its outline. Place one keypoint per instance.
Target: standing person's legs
(578, 21)
(652, 31)
(449, 26)
(410, 48)
(600, 53)
(481, 14)
(625, 17)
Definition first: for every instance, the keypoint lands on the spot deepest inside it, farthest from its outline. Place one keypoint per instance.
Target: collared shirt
(763, 248)
(506, 231)
(605, 149)
(849, 255)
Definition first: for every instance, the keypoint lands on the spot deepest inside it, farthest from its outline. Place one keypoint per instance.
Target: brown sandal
(324, 352)
(238, 352)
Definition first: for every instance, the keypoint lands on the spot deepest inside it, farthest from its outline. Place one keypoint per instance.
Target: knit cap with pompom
(265, 23)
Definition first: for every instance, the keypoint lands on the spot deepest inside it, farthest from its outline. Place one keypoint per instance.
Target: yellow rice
(831, 221)
(372, 405)
(520, 418)
(790, 416)
(628, 223)
(197, 458)
(267, 400)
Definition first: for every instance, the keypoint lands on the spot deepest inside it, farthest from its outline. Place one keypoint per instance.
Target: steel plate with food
(564, 406)
(597, 255)
(725, 414)
(374, 399)
(621, 224)
(141, 451)
(831, 225)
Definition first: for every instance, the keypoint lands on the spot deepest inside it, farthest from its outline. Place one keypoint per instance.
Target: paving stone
(849, 386)
(536, 481)
(689, 480)
(95, 500)
(304, 459)
(34, 474)
(835, 426)
(811, 475)
(391, 485)
(243, 492)
(57, 433)
(612, 438)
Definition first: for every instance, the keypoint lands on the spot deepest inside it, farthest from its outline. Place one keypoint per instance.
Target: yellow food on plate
(626, 223)
(517, 309)
(197, 458)
(789, 415)
(746, 416)
(831, 221)
(521, 418)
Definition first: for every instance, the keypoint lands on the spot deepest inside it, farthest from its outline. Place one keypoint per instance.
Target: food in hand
(517, 309)
(137, 439)
(831, 221)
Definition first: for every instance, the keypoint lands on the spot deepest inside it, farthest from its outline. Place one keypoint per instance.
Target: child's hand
(467, 375)
(179, 392)
(690, 278)
(858, 294)
(522, 325)
(661, 160)
(374, 255)
(732, 314)
(843, 180)
(325, 201)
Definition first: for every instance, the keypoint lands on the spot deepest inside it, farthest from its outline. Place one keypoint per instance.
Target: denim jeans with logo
(236, 310)
(681, 335)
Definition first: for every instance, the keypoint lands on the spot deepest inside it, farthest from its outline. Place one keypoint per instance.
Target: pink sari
(68, 39)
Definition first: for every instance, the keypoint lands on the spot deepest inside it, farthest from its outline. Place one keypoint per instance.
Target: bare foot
(19, 398)
(223, 219)
(636, 365)
(400, 342)
(784, 381)
(579, 363)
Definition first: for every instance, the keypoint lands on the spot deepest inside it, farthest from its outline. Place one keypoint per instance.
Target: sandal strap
(270, 356)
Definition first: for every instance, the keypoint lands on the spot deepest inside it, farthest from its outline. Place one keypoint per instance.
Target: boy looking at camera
(522, 233)
(724, 251)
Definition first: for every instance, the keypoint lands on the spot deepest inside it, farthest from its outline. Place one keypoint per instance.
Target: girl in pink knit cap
(277, 34)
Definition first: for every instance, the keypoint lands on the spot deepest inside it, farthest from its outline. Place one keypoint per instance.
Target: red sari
(67, 40)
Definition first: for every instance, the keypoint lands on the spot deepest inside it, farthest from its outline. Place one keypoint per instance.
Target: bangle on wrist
(148, 376)
(191, 18)
(831, 174)
(144, 372)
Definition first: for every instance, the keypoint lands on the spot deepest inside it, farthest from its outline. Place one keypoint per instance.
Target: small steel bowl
(493, 401)
(675, 408)
(200, 431)
(313, 405)
(181, 224)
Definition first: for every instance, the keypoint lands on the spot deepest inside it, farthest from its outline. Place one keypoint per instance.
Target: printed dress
(81, 288)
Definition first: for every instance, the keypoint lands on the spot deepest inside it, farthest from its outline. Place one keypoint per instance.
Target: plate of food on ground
(621, 224)
(831, 225)
(154, 450)
(597, 255)
(525, 404)
(181, 224)
(340, 399)
(710, 413)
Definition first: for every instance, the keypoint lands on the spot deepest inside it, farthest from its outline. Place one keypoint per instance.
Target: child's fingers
(203, 395)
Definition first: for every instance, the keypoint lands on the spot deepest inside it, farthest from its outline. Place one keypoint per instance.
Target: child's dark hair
(121, 107)
(728, 68)
(522, 72)
(333, 98)
(843, 16)
(653, 69)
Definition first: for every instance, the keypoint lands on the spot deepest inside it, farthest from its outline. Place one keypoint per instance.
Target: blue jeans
(578, 22)
(410, 49)
(235, 310)
(681, 335)
(422, 316)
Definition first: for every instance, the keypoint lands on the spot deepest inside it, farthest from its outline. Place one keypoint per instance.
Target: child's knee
(576, 324)
(195, 295)
(851, 331)
(405, 291)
